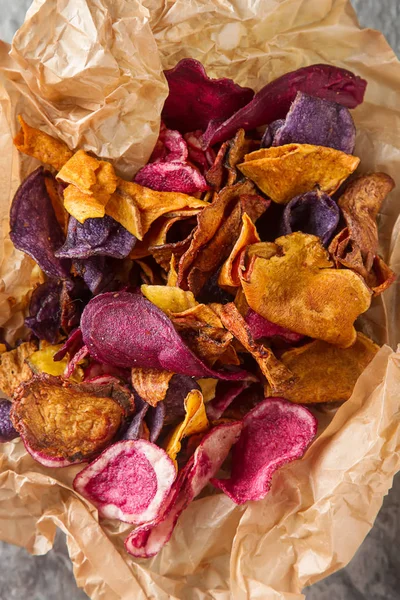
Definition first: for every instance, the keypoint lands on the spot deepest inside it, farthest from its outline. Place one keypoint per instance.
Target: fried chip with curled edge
(41, 145)
(62, 423)
(296, 287)
(284, 172)
(229, 274)
(195, 421)
(151, 384)
(136, 207)
(327, 373)
(14, 368)
(169, 298)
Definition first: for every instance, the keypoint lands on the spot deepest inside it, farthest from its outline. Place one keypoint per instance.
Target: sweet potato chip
(63, 423)
(288, 171)
(90, 175)
(82, 206)
(137, 207)
(7, 431)
(194, 422)
(326, 373)
(14, 368)
(229, 274)
(272, 369)
(42, 146)
(151, 384)
(169, 299)
(296, 287)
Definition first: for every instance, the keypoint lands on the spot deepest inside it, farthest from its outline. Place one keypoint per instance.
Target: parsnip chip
(42, 146)
(229, 274)
(194, 422)
(326, 373)
(43, 361)
(13, 367)
(137, 207)
(151, 384)
(297, 288)
(168, 298)
(273, 370)
(287, 171)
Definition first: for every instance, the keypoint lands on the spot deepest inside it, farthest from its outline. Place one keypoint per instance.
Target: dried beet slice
(226, 393)
(260, 328)
(171, 177)
(147, 540)
(7, 431)
(195, 99)
(169, 147)
(129, 481)
(274, 433)
(34, 228)
(273, 101)
(63, 423)
(126, 330)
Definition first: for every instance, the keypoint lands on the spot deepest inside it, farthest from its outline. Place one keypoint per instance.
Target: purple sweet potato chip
(147, 540)
(270, 132)
(7, 431)
(274, 433)
(195, 99)
(226, 392)
(34, 228)
(171, 177)
(129, 481)
(44, 318)
(71, 345)
(318, 122)
(135, 428)
(170, 147)
(262, 328)
(97, 272)
(155, 420)
(313, 212)
(126, 330)
(102, 237)
(273, 101)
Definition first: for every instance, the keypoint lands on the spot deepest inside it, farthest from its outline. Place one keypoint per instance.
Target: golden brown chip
(216, 174)
(284, 172)
(172, 280)
(360, 204)
(151, 384)
(297, 288)
(13, 367)
(82, 206)
(59, 420)
(169, 299)
(137, 207)
(229, 274)
(42, 146)
(239, 146)
(380, 277)
(326, 373)
(273, 370)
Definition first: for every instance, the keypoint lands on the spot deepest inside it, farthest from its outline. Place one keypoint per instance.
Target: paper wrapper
(90, 71)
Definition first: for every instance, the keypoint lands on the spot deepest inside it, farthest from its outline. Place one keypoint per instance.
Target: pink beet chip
(261, 327)
(170, 147)
(147, 540)
(195, 99)
(129, 481)
(274, 433)
(171, 177)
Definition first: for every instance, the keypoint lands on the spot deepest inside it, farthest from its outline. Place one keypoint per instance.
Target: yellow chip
(284, 172)
(151, 384)
(208, 388)
(194, 422)
(169, 299)
(43, 361)
(82, 206)
(229, 275)
(42, 146)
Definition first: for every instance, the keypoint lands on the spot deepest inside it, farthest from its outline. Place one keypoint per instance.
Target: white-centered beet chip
(274, 433)
(147, 540)
(129, 481)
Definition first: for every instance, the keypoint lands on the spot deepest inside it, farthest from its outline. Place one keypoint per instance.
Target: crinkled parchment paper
(90, 71)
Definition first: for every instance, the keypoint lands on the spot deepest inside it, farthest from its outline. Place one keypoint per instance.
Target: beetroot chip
(273, 101)
(195, 99)
(274, 433)
(171, 177)
(170, 147)
(129, 481)
(318, 122)
(34, 228)
(203, 159)
(313, 212)
(147, 540)
(262, 328)
(96, 237)
(70, 346)
(126, 330)
(97, 272)
(226, 392)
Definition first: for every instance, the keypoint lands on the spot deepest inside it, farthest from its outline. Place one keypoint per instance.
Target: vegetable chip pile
(192, 313)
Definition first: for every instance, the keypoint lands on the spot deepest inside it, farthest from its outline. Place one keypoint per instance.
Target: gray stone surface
(374, 573)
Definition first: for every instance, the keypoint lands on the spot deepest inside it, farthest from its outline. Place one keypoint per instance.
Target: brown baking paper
(90, 71)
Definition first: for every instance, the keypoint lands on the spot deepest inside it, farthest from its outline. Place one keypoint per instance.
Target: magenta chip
(171, 177)
(129, 481)
(260, 327)
(274, 433)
